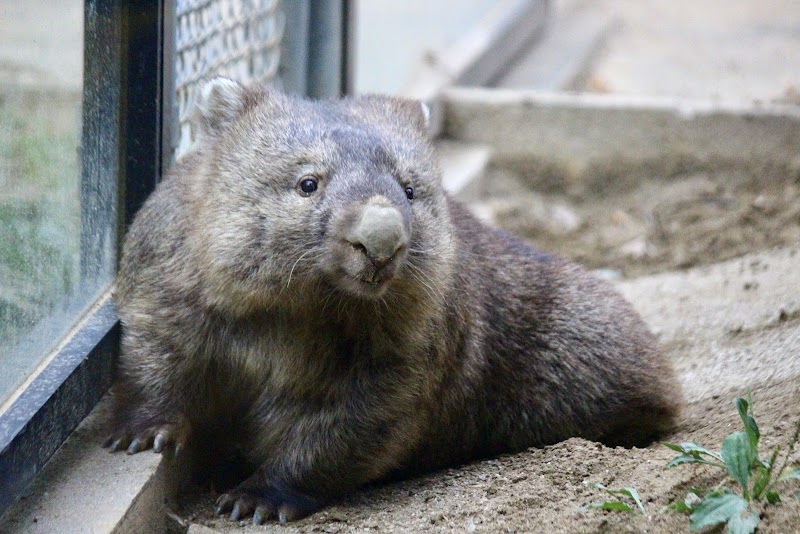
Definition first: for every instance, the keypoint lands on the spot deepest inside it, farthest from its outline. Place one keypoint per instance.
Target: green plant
(617, 504)
(757, 479)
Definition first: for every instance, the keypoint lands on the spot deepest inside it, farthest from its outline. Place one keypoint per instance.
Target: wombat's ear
(220, 102)
(420, 113)
(413, 111)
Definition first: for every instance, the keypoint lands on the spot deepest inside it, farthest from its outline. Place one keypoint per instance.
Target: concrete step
(84, 488)
(579, 141)
(562, 58)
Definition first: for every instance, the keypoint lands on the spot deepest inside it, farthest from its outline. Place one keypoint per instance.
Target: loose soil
(727, 325)
(656, 225)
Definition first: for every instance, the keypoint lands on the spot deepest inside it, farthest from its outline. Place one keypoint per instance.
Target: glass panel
(41, 71)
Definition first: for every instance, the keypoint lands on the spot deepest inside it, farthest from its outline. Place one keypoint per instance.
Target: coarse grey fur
(361, 325)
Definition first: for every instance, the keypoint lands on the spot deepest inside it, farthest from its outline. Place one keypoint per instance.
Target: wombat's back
(542, 351)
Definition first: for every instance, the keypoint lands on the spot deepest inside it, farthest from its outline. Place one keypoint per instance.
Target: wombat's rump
(302, 292)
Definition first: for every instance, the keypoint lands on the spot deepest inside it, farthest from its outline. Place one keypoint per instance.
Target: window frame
(318, 48)
(127, 94)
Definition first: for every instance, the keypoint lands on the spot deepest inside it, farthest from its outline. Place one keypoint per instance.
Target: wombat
(302, 291)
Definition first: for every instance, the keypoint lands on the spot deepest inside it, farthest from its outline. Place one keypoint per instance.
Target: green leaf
(717, 492)
(790, 473)
(738, 456)
(750, 425)
(609, 505)
(692, 446)
(683, 459)
(633, 494)
(740, 524)
(760, 481)
(715, 510)
(773, 497)
(697, 449)
(628, 492)
(692, 453)
(680, 507)
(686, 505)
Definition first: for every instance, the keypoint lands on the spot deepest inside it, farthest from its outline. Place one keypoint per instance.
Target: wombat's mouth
(373, 282)
(373, 287)
(363, 277)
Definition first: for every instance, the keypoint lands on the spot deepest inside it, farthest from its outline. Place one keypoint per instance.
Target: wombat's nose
(379, 231)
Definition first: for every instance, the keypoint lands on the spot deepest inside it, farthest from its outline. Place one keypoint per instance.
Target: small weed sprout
(616, 504)
(757, 479)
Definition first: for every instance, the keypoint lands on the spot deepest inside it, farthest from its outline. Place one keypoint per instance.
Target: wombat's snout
(378, 233)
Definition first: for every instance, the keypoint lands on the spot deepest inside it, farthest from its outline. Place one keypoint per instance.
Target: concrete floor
(725, 50)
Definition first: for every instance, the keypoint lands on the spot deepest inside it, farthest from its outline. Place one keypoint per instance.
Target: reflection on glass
(41, 68)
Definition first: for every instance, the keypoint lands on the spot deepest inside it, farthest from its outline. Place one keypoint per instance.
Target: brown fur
(243, 324)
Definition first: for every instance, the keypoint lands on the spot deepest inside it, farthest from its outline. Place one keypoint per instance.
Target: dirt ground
(655, 225)
(727, 325)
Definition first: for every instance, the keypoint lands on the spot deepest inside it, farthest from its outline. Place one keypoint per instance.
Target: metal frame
(319, 48)
(123, 107)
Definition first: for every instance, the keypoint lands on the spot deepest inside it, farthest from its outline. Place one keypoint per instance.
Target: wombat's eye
(307, 186)
(410, 193)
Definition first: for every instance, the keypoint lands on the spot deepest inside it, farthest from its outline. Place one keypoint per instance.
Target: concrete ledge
(84, 488)
(583, 141)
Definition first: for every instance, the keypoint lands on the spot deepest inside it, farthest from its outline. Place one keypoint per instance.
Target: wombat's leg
(323, 457)
(150, 410)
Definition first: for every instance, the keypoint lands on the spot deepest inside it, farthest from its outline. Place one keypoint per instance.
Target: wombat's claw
(273, 504)
(224, 503)
(241, 507)
(157, 438)
(261, 514)
(169, 435)
(139, 444)
(116, 443)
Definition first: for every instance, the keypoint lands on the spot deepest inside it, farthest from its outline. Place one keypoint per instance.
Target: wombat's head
(305, 199)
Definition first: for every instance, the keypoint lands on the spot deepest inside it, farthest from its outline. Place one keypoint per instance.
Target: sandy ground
(651, 223)
(727, 325)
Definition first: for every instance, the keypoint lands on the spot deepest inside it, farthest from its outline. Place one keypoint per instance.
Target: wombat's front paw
(273, 501)
(157, 436)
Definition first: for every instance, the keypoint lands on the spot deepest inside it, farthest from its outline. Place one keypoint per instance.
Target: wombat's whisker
(420, 276)
(420, 251)
(306, 253)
